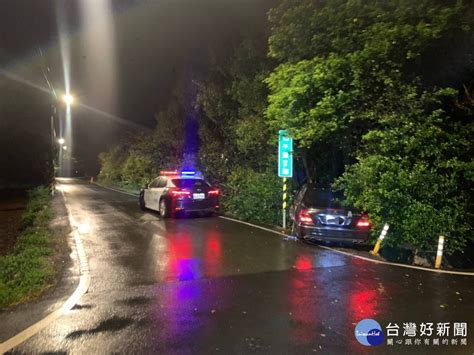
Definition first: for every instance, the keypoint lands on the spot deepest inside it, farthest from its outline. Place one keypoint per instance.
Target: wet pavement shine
(210, 285)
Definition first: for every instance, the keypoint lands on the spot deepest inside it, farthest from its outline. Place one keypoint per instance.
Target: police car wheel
(164, 209)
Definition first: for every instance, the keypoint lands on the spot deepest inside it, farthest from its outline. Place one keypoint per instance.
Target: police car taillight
(213, 192)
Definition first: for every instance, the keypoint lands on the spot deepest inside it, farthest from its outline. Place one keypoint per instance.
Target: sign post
(285, 164)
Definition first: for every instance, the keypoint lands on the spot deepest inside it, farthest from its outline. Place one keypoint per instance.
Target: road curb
(84, 283)
(116, 190)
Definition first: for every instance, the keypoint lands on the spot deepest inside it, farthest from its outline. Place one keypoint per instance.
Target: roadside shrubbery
(127, 170)
(28, 269)
(253, 196)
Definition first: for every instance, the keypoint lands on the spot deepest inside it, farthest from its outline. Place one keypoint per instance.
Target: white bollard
(439, 253)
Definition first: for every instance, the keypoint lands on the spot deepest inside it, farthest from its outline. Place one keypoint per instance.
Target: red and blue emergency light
(182, 172)
(168, 172)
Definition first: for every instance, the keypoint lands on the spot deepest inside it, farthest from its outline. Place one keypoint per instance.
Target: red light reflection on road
(181, 266)
(212, 254)
(363, 303)
(181, 305)
(302, 302)
(362, 300)
(303, 262)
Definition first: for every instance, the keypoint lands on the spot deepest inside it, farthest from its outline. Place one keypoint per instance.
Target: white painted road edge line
(339, 251)
(358, 256)
(116, 190)
(84, 283)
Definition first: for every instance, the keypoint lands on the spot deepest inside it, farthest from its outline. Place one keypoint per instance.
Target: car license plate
(335, 220)
(199, 196)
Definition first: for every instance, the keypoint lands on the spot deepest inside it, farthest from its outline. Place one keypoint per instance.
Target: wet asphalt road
(210, 285)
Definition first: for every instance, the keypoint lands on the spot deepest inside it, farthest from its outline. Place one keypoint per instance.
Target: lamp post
(65, 133)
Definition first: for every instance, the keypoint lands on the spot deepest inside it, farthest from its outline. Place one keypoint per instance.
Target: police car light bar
(168, 172)
(188, 172)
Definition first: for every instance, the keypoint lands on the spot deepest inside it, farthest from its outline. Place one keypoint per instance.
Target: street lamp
(68, 99)
(64, 147)
(61, 141)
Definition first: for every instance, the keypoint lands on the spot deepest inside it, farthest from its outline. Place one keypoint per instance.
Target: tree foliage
(235, 137)
(415, 173)
(139, 158)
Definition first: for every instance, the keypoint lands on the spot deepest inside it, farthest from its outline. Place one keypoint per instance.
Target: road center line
(84, 283)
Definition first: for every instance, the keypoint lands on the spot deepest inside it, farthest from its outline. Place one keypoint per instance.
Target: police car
(179, 192)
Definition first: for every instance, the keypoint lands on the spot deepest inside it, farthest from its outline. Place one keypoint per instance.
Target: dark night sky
(128, 73)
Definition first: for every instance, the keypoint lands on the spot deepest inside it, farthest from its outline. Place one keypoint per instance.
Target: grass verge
(29, 268)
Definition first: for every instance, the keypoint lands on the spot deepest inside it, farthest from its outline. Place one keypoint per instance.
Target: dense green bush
(137, 170)
(254, 196)
(111, 163)
(414, 174)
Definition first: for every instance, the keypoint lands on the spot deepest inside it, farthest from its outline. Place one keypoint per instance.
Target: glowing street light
(61, 141)
(68, 99)
(64, 147)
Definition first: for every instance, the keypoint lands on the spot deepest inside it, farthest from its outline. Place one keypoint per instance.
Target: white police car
(179, 192)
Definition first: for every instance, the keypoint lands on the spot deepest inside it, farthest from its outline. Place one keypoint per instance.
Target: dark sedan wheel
(164, 212)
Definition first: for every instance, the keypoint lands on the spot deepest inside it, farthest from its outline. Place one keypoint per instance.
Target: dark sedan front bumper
(334, 234)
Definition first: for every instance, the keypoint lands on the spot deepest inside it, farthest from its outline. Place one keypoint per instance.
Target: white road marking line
(253, 225)
(358, 256)
(84, 283)
(116, 190)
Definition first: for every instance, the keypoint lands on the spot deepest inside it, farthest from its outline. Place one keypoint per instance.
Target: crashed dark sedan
(318, 214)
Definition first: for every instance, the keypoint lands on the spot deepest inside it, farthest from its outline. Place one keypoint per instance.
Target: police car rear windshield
(189, 183)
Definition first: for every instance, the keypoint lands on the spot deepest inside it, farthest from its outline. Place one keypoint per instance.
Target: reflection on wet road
(203, 285)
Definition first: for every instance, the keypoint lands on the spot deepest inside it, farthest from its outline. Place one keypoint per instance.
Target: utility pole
(44, 70)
